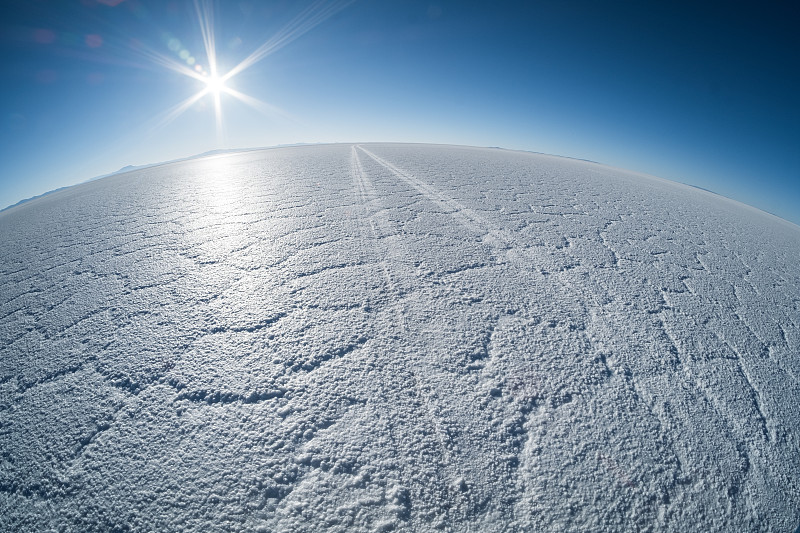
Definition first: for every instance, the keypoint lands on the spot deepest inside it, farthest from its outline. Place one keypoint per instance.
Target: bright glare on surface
(215, 84)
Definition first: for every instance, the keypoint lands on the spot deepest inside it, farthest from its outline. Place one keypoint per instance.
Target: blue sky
(701, 94)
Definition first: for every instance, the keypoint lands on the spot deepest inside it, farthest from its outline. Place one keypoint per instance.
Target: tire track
(503, 244)
(534, 261)
(372, 226)
(466, 217)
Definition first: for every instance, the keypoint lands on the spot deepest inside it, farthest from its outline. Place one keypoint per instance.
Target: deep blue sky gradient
(693, 92)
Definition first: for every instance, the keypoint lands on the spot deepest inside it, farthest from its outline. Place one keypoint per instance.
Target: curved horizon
(679, 90)
(231, 151)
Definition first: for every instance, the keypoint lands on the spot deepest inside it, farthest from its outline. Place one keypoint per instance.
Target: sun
(215, 84)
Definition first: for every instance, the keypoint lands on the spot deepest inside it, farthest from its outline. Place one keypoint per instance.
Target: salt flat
(409, 337)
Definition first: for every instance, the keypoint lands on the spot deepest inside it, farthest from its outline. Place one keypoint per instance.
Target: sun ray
(168, 62)
(174, 112)
(218, 117)
(205, 17)
(313, 15)
(261, 106)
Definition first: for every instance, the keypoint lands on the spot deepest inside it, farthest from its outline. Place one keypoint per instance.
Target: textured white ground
(403, 337)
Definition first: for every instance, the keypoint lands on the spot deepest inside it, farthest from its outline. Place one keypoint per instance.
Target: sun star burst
(215, 85)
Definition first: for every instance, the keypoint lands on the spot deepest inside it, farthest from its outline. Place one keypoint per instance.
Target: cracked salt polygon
(385, 336)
